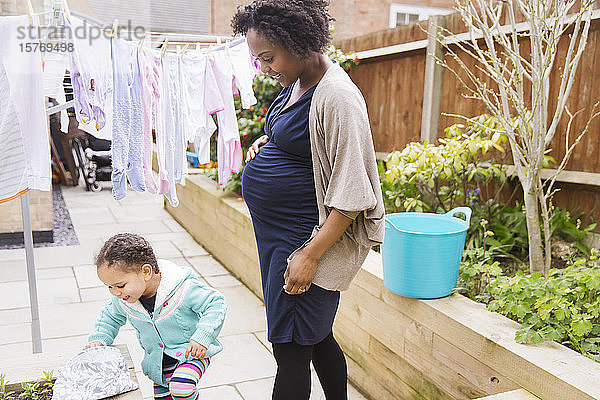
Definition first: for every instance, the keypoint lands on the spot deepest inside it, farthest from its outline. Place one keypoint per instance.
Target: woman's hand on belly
(253, 150)
(299, 273)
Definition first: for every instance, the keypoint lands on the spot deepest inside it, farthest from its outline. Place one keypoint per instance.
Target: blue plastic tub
(192, 159)
(422, 252)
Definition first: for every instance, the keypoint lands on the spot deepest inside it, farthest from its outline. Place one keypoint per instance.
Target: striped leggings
(182, 380)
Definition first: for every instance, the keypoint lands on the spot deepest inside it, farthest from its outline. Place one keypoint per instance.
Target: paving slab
(245, 312)
(222, 281)
(220, 393)
(15, 316)
(97, 215)
(94, 294)
(15, 333)
(136, 212)
(64, 320)
(11, 271)
(174, 226)
(243, 358)
(207, 266)
(165, 249)
(50, 291)
(86, 276)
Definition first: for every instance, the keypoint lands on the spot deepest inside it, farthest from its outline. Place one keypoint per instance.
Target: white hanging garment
(201, 99)
(13, 161)
(92, 79)
(24, 75)
(55, 65)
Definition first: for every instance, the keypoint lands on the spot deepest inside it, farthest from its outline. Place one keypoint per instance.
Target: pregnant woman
(312, 188)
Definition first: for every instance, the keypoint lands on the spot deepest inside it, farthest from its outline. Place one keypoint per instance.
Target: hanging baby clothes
(128, 136)
(151, 75)
(244, 71)
(229, 149)
(23, 78)
(13, 164)
(55, 66)
(174, 151)
(201, 99)
(92, 78)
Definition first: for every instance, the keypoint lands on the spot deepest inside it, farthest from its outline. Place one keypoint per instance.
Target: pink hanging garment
(151, 75)
(229, 149)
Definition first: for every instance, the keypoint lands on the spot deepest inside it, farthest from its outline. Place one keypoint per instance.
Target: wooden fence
(404, 106)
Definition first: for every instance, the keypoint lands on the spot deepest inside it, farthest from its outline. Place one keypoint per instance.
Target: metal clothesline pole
(36, 331)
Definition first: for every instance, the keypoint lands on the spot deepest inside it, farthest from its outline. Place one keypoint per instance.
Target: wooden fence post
(433, 81)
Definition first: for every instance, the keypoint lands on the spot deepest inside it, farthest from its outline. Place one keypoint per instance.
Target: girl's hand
(253, 150)
(196, 350)
(299, 273)
(92, 344)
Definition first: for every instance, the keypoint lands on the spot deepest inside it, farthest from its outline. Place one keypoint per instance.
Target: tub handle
(389, 221)
(465, 210)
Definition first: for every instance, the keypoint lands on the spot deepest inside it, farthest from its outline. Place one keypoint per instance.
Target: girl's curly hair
(299, 26)
(128, 252)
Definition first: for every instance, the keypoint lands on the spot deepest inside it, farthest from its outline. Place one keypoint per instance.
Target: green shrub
(425, 177)
(563, 306)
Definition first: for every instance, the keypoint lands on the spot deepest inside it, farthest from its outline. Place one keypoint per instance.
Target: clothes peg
(185, 48)
(66, 9)
(115, 27)
(197, 46)
(219, 40)
(29, 12)
(142, 41)
(164, 46)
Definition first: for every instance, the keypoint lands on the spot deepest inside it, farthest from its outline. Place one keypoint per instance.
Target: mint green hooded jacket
(185, 309)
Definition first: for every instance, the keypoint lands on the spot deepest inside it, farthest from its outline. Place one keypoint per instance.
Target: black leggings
(292, 381)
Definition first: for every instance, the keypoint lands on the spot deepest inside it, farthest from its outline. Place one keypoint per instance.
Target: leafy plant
(30, 390)
(39, 390)
(48, 379)
(4, 394)
(476, 274)
(569, 228)
(425, 177)
(563, 306)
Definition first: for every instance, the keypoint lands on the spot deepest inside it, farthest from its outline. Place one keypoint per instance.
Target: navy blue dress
(279, 189)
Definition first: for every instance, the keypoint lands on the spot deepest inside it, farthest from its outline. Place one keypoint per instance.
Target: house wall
(352, 17)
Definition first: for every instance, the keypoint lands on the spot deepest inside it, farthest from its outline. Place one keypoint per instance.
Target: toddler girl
(177, 318)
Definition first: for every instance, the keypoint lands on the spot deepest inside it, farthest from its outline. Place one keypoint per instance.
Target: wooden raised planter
(31, 368)
(396, 347)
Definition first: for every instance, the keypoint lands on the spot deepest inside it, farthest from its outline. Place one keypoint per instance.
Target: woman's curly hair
(299, 26)
(128, 252)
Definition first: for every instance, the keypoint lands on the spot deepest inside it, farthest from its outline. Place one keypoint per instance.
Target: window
(403, 14)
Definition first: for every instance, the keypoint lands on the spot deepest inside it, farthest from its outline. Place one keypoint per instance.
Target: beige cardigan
(346, 176)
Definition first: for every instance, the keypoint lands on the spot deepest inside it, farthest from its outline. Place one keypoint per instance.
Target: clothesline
(156, 38)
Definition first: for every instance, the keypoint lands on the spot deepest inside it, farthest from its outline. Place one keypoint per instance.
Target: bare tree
(520, 93)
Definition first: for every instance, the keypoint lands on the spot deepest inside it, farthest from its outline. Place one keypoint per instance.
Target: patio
(70, 295)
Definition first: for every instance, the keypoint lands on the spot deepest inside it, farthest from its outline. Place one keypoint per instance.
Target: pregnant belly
(275, 181)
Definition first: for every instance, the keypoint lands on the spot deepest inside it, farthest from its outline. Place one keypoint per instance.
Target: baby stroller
(92, 160)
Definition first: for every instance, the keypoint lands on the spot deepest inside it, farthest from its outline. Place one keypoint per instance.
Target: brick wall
(8, 7)
(221, 13)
